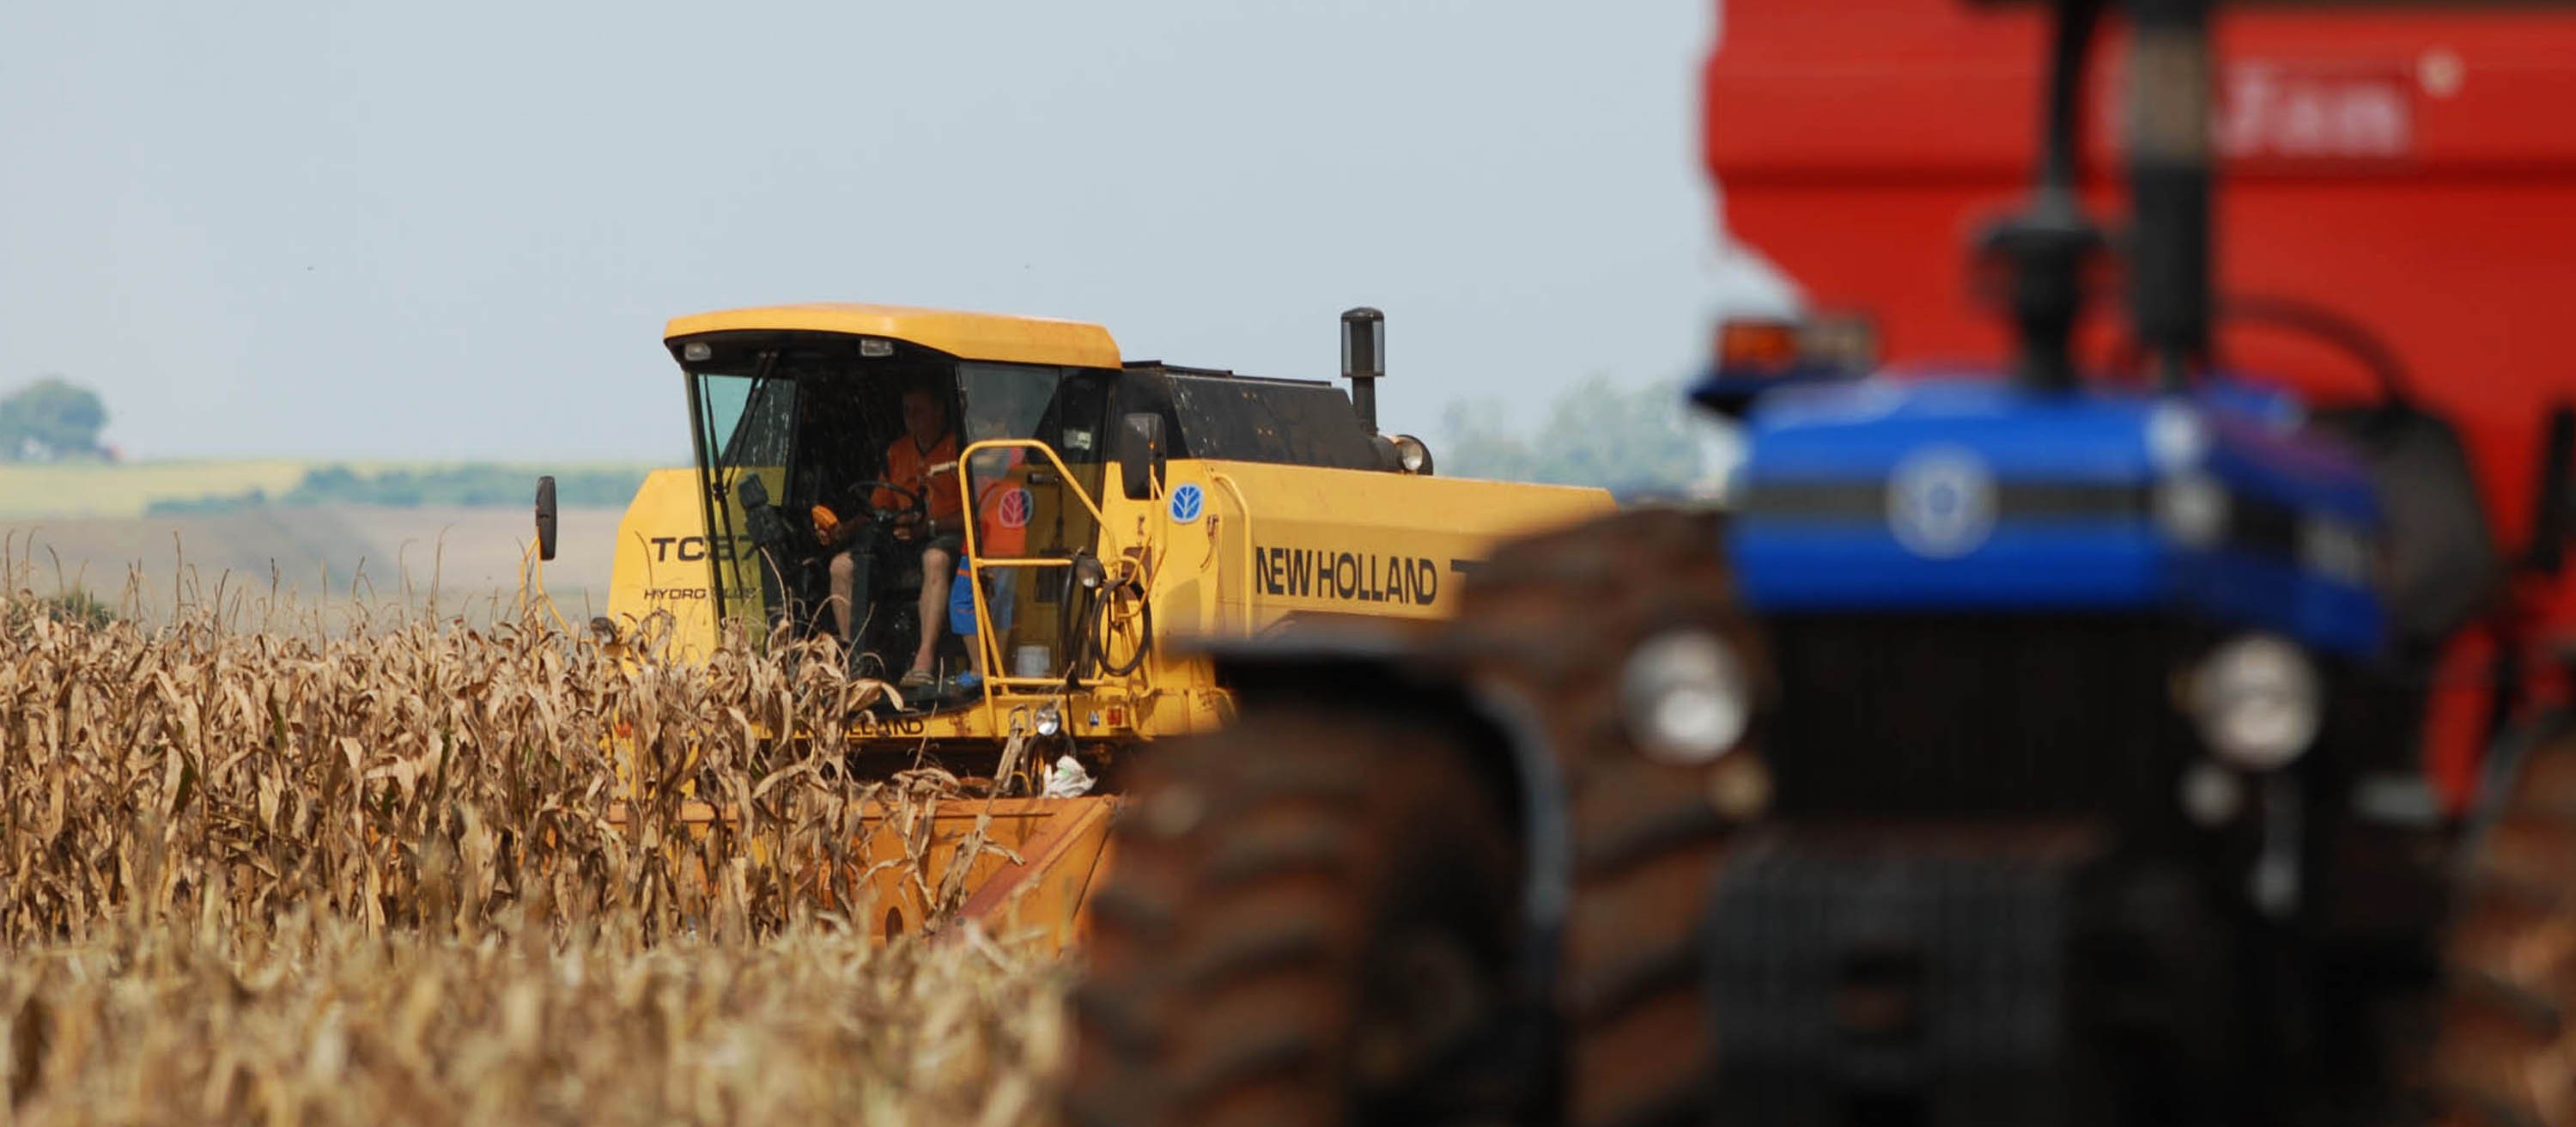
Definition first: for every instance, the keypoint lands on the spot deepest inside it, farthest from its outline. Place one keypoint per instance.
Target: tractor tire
(1550, 620)
(1311, 921)
(2505, 1053)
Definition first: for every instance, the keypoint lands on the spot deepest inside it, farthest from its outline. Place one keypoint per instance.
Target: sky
(454, 230)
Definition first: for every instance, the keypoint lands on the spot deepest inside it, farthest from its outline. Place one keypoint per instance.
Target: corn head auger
(2084, 738)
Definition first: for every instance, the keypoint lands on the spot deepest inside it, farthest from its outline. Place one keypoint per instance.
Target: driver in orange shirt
(922, 462)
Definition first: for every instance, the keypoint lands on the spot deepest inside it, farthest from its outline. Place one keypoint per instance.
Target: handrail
(966, 456)
(1243, 507)
(985, 639)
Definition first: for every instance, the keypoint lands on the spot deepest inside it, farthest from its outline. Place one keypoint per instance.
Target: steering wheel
(914, 502)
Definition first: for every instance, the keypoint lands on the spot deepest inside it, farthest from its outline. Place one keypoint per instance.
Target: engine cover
(1973, 496)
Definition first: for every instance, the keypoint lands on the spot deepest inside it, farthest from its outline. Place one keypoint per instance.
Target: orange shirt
(910, 466)
(1002, 506)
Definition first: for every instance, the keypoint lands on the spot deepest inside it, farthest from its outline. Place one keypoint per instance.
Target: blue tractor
(2021, 748)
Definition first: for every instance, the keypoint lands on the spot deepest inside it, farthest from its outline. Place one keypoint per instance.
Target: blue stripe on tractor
(1858, 435)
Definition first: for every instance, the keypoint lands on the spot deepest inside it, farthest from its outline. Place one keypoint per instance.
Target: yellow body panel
(974, 336)
(1287, 547)
(659, 571)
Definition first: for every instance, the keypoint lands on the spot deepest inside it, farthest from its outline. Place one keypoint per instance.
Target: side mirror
(546, 517)
(752, 492)
(1140, 454)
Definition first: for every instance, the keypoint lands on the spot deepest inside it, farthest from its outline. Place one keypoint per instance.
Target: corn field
(260, 868)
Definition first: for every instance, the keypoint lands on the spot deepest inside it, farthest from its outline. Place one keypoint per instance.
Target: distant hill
(94, 489)
(164, 488)
(330, 554)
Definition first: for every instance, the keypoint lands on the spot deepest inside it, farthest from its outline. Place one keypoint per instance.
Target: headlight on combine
(1049, 719)
(1411, 455)
(2258, 702)
(1686, 697)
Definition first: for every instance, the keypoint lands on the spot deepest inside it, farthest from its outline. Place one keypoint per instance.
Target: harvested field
(385, 872)
(462, 560)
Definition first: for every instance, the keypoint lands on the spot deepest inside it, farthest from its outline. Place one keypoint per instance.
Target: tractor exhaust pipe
(1364, 360)
(2169, 178)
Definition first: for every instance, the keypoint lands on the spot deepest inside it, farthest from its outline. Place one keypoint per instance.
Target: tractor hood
(1981, 496)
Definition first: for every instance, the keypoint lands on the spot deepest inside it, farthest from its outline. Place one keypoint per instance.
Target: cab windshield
(796, 431)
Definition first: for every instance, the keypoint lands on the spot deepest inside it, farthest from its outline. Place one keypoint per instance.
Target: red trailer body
(2413, 171)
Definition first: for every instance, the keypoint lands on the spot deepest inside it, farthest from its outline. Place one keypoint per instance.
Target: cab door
(1034, 466)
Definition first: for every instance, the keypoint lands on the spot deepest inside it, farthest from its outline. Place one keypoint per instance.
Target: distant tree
(1630, 441)
(1479, 442)
(74, 607)
(50, 420)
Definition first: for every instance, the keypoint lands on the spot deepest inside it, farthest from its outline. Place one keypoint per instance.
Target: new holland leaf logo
(1186, 503)
(1015, 505)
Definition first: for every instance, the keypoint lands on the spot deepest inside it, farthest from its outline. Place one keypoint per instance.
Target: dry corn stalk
(417, 774)
(320, 1022)
(309, 871)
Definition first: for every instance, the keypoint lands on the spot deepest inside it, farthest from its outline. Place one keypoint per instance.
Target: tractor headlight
(2258, 702)
(1049, 719)
(1686, 696)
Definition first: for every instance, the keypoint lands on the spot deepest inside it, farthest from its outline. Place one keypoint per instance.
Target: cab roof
(972, 336)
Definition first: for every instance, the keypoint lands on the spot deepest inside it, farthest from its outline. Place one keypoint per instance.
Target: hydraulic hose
(1144, 639)
(1082, 628)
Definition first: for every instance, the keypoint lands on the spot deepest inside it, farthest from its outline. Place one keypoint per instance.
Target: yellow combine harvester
(1085, 512)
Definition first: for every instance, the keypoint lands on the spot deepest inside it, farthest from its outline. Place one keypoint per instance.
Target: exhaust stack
(2169, 178)
(1364, 359)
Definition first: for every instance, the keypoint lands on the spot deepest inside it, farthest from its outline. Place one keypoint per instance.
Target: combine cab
(1098, 513)
(2141, 720)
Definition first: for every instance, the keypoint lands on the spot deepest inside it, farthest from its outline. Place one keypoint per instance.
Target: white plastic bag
(1067, 779)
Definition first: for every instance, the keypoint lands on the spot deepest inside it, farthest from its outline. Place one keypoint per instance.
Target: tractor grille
(1918, 715)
